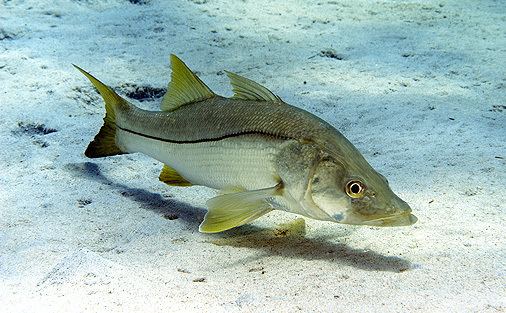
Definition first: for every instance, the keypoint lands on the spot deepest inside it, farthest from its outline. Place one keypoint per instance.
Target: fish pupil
(355, 188)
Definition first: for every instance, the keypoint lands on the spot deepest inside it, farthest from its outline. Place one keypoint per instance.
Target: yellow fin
(231, 189)
(247, 89)
(104, 143)
(172, 178)
(236, 209)
(184, 88)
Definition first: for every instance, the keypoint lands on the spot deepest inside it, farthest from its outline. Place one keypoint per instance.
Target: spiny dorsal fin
(173, 178)
(247, 89)
(184, 88)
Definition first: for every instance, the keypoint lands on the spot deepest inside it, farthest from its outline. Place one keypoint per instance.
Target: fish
(258, 151)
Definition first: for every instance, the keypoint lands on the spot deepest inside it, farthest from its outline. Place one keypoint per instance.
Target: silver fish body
(261, 152)
(219, 142)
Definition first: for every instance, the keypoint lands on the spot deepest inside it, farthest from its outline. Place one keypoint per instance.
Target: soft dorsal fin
(184, 88)
(247, 89)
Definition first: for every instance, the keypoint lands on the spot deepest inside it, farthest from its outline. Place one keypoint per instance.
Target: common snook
(262, 153)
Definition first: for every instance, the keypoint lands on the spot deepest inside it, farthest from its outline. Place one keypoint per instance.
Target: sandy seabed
(418, 86)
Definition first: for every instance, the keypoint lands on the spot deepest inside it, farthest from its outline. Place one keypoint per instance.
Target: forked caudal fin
(104, 143)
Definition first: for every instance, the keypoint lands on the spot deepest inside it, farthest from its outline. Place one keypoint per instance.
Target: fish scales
(222, 117)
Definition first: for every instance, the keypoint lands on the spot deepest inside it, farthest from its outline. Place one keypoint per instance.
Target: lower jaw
(393, 221)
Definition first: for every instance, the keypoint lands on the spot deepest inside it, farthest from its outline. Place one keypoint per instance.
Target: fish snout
(400, 206)
(398, 213)
(401, 217)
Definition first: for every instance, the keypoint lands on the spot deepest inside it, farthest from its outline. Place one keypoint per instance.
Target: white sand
(420, 90)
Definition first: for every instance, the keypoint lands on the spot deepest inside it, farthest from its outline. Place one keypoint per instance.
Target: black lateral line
(251, 132)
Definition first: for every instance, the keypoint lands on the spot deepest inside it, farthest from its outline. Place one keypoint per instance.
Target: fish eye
(355, 189)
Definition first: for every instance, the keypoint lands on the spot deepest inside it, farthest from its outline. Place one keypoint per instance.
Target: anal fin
(173, 178)
(236, 209)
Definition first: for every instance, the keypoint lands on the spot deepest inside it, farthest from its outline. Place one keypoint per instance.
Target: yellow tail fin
(104, 143)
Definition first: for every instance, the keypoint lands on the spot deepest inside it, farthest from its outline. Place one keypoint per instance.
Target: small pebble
(199, 280)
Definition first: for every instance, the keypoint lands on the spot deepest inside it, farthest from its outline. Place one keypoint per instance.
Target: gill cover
(326, 189)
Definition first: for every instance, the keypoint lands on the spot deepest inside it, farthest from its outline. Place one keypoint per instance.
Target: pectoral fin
(236, 209)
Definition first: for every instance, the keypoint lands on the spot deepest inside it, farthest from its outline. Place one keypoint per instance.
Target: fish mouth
(404, 219)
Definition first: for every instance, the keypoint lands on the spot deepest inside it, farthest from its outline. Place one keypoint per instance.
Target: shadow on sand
(287, 240)
(148, 200)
